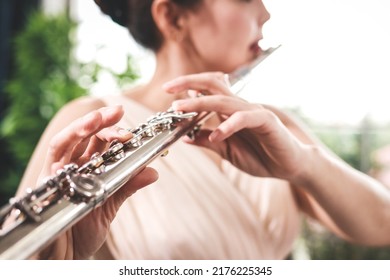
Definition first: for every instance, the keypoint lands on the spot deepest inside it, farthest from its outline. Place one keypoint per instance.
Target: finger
(143, 179)
(53, 168)
(99, 143)
(112, 133)
(77, 151)
(61, 145)
(111, 115)
(210, 82)
(83, 128)
(220, 104)
(84, 151)
(263, 120)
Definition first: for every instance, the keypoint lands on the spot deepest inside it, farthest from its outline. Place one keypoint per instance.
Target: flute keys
(86, 187)
(114, 153)
(96, 164)
(194, 132)
(165, 153)
(136, 141)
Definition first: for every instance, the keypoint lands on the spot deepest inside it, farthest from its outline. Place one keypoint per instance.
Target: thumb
(143, 179)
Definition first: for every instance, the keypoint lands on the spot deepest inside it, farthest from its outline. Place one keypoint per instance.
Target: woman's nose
(264, 15)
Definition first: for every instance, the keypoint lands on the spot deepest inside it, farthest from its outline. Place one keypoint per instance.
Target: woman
(202, 207)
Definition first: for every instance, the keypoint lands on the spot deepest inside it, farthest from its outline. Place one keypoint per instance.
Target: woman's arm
(342, 198)
(253, 137)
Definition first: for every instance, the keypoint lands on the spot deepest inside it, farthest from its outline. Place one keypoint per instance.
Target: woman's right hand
(76, 143)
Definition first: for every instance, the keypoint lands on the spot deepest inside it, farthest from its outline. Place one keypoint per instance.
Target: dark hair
(136, 16)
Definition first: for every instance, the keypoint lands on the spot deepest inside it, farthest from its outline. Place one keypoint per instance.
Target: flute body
(30, 223)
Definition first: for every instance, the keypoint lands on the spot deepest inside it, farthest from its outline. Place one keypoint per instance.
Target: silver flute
(30, 223)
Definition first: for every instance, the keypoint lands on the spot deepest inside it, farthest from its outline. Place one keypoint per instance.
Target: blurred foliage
(46, 76)
(323, 245)
(41, 83)
(39, 86)
(355, 146)
(345, 145)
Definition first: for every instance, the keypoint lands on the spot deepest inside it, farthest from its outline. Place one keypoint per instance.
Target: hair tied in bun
(116, 9)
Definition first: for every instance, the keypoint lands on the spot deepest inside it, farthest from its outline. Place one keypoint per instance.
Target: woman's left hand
(250, 136)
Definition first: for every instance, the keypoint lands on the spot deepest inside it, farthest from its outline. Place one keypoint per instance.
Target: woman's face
(224, 34)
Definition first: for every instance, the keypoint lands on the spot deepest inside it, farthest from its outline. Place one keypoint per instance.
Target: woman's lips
(255, 48)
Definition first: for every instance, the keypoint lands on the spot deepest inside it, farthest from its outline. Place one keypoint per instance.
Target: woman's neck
(169, 65)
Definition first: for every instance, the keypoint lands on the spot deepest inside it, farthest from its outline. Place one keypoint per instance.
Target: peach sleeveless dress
(198, 210)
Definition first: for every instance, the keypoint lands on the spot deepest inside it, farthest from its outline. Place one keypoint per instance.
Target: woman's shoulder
(84, 103)
(74, 109)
